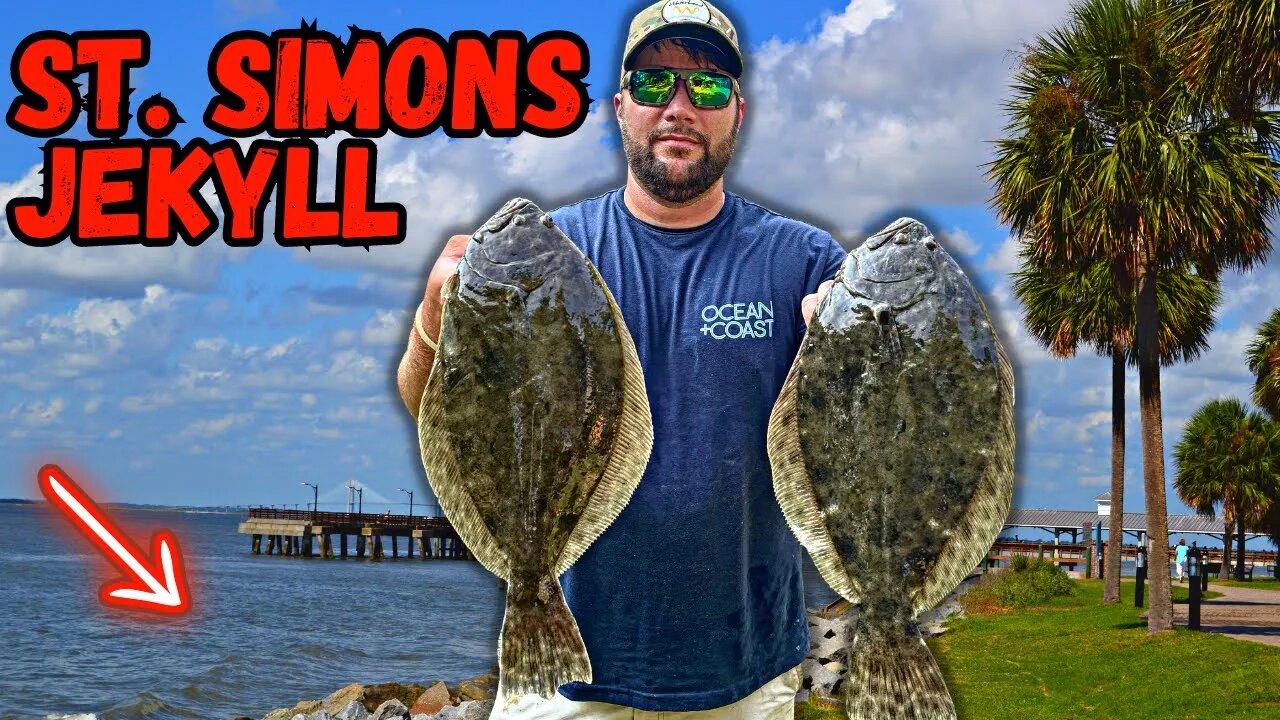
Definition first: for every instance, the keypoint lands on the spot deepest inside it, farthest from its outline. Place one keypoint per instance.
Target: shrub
(1028, 581)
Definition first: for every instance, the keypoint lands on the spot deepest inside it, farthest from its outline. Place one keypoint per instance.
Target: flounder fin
(988, 510)
(794, 489)
(441, 465)
(539, 646)
(899, 680)
(632, 444)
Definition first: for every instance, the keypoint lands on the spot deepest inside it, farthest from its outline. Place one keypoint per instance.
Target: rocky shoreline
(472, 699)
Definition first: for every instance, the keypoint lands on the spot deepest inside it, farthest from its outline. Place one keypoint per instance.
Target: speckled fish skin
(534, 427)
(892, 445)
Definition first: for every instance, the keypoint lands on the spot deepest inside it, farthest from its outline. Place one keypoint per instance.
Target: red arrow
(142, 590)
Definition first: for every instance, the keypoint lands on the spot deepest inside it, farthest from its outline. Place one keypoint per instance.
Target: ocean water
(264, 632)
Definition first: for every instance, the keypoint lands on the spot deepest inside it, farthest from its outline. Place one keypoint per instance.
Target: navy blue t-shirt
(692, 599)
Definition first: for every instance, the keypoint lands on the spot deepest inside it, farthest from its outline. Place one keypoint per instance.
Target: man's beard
(653, 175)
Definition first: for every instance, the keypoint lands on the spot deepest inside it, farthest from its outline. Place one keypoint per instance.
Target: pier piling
(295, 533)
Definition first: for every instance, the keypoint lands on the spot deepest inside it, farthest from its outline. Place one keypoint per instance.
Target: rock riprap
(470, 699)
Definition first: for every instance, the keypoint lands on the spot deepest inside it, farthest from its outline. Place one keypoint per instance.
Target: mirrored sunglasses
(707, 89)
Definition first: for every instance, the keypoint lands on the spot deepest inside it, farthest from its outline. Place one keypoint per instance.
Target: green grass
(1075, 658)
(805, 711)
(1259, 584)
(1181, 594)
(1072, 658)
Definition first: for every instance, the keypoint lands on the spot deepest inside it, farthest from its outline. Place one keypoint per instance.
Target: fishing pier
(303, 533)
(1003, 552)
(1086, 545)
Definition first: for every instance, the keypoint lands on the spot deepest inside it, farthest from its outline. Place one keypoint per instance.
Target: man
(690, 604)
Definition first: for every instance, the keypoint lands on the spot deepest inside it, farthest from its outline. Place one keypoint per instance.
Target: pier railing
(421, 522)
(294, 532)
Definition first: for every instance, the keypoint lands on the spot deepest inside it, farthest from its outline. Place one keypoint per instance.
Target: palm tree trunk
(1160, 617)
(1115, 532)
(1226, 543)
(1239, 545)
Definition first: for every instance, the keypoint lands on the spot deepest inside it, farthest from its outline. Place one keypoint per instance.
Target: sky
(217, 375)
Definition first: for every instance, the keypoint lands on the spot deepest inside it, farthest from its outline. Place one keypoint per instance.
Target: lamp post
(1204, 576)
(410, 500)
(360, 500)
(315, 497)
(1140, 573)
(1193, 606)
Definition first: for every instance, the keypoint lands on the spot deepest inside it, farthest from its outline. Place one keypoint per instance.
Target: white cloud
(38, 413)
(385, 327)
(11, 301)
(216, 426)
(855, 20)
(1251, 295)
(353, 367)
(146, 403)
(356, 414)
(1094, 395)
(95, 334)
(108, 318)
(279, 350)
(1084, 428)
(1004, 259)
(959, 242)
(1220, 372)
(921, 90)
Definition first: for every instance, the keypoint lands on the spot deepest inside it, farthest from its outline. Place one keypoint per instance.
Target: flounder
(892, 449)
(534, 428)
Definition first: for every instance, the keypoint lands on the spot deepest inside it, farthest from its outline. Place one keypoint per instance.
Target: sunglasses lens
(710, 90)
(652, 86)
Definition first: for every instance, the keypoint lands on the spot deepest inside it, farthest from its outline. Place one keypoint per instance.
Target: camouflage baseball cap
(695, 19)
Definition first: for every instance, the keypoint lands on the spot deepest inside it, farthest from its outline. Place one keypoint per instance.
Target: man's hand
(415, 366)
(810, 302)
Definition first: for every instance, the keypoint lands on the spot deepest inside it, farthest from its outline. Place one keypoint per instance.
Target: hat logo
(686, 11)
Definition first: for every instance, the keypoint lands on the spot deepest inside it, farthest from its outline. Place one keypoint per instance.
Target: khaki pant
(775, 700)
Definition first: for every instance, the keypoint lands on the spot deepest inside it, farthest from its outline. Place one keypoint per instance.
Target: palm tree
(1095, 306)
(1229, 455)
(1263, 356)
(1231, 47)
(1111, 156)
(1270, 525)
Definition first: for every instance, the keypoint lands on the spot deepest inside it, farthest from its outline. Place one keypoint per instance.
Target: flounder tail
(895, 680)
(539, 647)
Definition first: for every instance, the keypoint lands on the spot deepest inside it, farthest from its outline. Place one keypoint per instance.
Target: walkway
(1241, 613)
